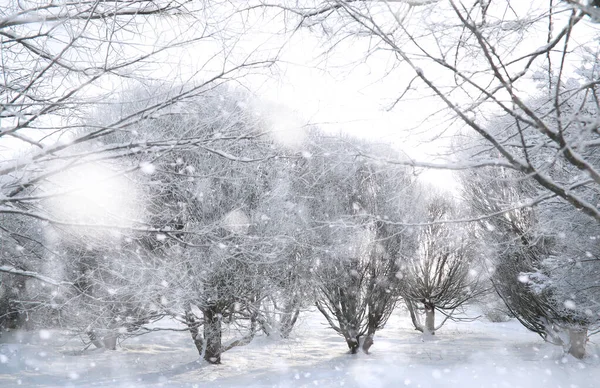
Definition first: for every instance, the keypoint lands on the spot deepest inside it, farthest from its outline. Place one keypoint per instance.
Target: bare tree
(23, 253)
(189, 241)
(292, 282)
(351, 203)
(441, 275)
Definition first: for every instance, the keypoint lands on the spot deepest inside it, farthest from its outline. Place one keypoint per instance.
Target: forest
(155, 197)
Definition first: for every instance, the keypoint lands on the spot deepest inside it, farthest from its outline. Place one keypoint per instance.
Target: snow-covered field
(476, 354)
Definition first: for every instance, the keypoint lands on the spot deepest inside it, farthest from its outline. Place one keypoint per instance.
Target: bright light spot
(523, 278)
(93, 193)
(570, 304)
(284, 126)
(44, 334)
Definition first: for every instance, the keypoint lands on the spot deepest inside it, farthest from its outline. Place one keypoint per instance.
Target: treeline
(239, 229)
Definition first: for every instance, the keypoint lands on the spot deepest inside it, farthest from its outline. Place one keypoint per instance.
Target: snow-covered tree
(283, 217)
(205, 200)
(541, 259)
(60, 60)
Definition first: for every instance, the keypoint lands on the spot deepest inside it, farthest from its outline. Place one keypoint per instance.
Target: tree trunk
(193, 326)
(212, 335)
(110, 340)
(577, 342)
(352, 340)
(429, 318)
(368, 341)
(414, 317)
(353, 344)
(93, 336)
(287, 323)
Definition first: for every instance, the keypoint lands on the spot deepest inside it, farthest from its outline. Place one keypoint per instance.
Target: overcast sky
(343, 92)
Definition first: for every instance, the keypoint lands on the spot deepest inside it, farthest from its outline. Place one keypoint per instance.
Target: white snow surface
(466, 355)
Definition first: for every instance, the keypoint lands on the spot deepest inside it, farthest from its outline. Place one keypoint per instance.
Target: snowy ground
(466, 355)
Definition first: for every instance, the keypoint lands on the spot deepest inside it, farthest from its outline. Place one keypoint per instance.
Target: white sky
(345, 93)
(355, 102)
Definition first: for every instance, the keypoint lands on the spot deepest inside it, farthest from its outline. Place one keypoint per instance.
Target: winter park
(331, 193)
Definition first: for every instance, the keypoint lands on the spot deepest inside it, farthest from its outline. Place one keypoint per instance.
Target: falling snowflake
(147, 168)
(570, 304)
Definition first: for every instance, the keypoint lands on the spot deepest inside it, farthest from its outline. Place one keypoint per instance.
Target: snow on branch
(31, 274)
